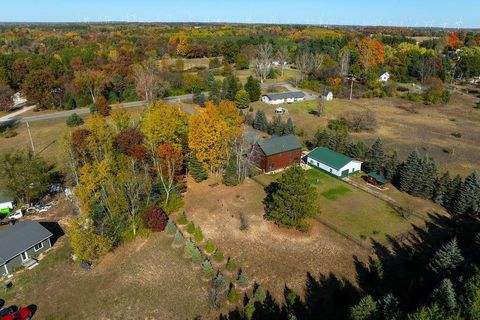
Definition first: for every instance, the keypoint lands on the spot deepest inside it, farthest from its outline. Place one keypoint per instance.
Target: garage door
(344, 173)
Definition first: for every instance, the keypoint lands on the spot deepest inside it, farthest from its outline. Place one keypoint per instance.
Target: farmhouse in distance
(283, 97)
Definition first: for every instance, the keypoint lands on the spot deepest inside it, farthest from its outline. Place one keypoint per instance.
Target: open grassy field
(146, 279)
(406, 126)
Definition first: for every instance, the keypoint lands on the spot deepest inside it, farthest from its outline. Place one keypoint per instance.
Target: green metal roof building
(334, 163)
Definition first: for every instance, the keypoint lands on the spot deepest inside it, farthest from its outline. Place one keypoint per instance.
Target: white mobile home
(283, 97)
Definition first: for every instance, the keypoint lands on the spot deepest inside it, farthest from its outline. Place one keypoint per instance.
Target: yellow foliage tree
(211, 133)
(100, 139)
(121, 118)
(162, 123)
(86, 244)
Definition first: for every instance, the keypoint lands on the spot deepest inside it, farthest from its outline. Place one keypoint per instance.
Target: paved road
(176, 99)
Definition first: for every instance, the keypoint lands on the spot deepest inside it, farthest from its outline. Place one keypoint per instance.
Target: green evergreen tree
(218, 256)
(249, 310)
(210, 80)
(366, 309)
(291, 199)
(232, 295)
(260, 295)
(260, 122)
(389, 308)
(407, 172)
(289, 128)
(243, 279)
(253, 88)
(376, 156)
(391, 166)
(467, 199)
(182, 220)
(188, 248)
(231, 265)
(471, 298)
(199, 98)
(197, 256)
(209, 247)
(453, 189)
(198, 235)
(171, 228)
(74, 120)
(447, 258)
(321, 138)
(230, 87)
(357, 150)
(337, 141)
(444, 295)
(207, 269)
(276, 126)
(441, 189)
(197, 170)
(428, 313)
(249, 119)
(216, 94)
(242, 99)
(230, 178)
(178, 239)
(191, 227)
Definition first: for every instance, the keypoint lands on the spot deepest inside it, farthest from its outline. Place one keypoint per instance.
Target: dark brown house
(276, 153)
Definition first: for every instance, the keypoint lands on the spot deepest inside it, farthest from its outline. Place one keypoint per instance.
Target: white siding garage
(333, 162)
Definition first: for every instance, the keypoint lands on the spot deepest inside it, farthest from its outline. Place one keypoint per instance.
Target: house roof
(330, 158)
(377, 177)
(20, 237)
(277, 145)
(285, 95)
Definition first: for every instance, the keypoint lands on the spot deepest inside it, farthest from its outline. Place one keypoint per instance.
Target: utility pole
(30, 135)
(351, 86)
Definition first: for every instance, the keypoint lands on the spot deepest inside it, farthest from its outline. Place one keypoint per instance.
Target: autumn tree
(242, 99)
(263, 62)
(6, 94)
(91, 82)
(154, 218)
(169, 166)
(39, 87)
(148, 82)
(371, 54)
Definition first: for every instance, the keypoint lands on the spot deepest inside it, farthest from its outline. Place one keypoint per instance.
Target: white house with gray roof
(21, 244)
(283, 97)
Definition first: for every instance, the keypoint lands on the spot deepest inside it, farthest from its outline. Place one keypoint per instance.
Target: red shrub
(154, 218)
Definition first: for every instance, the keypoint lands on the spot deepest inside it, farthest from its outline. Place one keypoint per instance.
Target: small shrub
(457, 134)
(232, 295)
(154, 219)
(178, 239)
(191, 227)
(477, 106)
(9, 133)
(231, 265)
(182, 220)
(175, 203)
(218, 255)
(260, 295)
(189, 248)
(242, 279)
(171, 228)
(198, 235)
(207, 269)
(74, 120)
(376, 232)
(209, 248)
(363, 237)
(197, 256)
(449, 150)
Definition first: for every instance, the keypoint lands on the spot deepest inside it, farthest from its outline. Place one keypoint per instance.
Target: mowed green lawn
(353, 211)
(350, 210)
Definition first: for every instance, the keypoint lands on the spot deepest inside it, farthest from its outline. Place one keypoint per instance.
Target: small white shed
(327, 96)
(384, 77)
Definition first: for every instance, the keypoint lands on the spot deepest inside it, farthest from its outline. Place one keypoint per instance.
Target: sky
(414, 13)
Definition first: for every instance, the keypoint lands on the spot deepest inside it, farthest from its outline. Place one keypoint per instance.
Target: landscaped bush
(260, 295)
(74, 120)
(154, 219)
(197, 256)
(182, 220)
(231, 265)
(189, 248)
(218, 256)
(233, 295)
(171, 228)
(178, 239)
(242, 279)
(9, 133)
(207, 269)
(198, 235)
(209, 248)
(191, 227)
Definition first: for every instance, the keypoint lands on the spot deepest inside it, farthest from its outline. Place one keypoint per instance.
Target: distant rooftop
(285, 95)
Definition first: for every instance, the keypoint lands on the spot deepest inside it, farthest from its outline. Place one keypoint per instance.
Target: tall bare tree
(263, 61)
(282, 56)
(308, 63)
(148, 81)
(344, 61)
